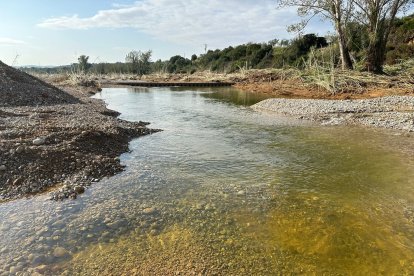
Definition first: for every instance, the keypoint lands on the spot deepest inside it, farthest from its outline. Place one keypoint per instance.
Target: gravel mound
(64, 147)
(20, 89)
(392, 112)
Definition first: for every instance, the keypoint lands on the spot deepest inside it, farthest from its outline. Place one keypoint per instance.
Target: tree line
(355, 47)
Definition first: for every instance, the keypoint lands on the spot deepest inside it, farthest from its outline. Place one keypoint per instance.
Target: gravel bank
(56, 137)
(20, 89)
(392, 112)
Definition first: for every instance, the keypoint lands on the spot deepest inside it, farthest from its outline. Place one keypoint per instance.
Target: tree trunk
(375, 54)
(346, 60)
(379, 31)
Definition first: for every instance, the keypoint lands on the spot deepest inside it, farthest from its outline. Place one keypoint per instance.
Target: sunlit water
(226, 190)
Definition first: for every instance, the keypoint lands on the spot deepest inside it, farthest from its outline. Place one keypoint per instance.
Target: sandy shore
(391, 112)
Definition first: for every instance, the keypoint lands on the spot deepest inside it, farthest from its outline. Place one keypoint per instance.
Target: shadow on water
(225, 190)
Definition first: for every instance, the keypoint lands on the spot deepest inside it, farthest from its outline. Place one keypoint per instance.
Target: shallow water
(226, 190)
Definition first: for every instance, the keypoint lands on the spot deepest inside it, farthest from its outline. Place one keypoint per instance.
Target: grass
(335, 81)
(318, 74)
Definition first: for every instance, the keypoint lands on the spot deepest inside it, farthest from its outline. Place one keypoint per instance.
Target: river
(226, 190)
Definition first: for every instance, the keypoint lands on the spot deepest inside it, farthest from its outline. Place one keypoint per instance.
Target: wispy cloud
(189, 21)
(10, 41)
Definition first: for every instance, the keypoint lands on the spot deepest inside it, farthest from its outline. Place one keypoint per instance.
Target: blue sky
(51, 32)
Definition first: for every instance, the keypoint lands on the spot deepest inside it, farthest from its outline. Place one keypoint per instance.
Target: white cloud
(10, 41)
(190, 21)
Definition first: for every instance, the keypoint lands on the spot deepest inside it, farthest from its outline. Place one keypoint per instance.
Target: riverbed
(226, 190)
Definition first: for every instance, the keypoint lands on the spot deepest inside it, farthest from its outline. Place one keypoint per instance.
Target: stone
(39, 141)
(37, 260)
(3, 168)
(149, 211)
(79, 189)
(41, 268)
(60, 252)
(241, 192)
(17, 182)
(20, 149)
(13, 270)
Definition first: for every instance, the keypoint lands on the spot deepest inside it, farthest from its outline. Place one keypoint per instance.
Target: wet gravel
(391, 112)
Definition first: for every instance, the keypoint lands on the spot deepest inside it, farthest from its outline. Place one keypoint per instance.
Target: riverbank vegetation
(316, 61)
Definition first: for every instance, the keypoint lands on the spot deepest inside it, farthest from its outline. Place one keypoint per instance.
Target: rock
(39, 141)
(79, 189)
(20, 149)
(60, 252)
(37, 260)
(3, 168)
(41, 269)
(13, 270)
(149, 211)
(17, 182)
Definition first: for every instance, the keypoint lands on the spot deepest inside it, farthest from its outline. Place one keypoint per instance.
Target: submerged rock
(60, 252)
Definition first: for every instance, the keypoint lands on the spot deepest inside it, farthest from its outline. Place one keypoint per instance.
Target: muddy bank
(51, 137)
(391, 112)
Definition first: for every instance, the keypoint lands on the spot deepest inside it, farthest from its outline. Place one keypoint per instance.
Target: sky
(51, 32)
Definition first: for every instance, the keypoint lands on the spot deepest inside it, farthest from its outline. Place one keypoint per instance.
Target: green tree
(83, 63)
(139, 62)
(337, 11)
(378, 16)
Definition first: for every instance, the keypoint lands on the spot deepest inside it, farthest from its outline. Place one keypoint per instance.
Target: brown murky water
(224, 190)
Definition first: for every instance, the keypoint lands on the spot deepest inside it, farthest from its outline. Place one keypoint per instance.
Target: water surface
(226, 190)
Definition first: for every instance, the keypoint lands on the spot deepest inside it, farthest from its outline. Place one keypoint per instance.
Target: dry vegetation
(317, 80)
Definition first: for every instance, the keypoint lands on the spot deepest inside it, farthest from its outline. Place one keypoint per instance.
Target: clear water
(226, 190)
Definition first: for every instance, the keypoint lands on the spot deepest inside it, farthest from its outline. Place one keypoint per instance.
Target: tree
(178, 64)
(139, 62)
(337, 11)
(83, 63)
(378, 16)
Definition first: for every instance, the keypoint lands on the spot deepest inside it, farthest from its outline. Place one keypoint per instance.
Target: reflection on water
(225, 190)
(238, 97)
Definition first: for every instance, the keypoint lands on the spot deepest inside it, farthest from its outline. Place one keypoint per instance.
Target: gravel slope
(392, 112)
(52, 137)
(20, 89)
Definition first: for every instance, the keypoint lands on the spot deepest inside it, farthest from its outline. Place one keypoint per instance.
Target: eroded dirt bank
(52, 137)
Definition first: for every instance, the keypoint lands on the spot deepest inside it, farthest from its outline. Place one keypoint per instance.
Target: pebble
(13, 270)
(39, 141)
(3, 168)
(60, 252)
(17, 182)
(79, 189)
(41, 268)
(38, 259)
(20, 149)
(149, 211)
(392, 112)
(241, 192)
